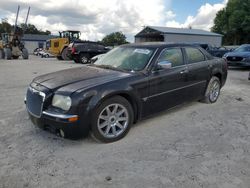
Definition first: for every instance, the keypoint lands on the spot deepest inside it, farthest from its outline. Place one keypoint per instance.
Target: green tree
(234, 22)
(114, 39)
(5, 27)
(31, 29)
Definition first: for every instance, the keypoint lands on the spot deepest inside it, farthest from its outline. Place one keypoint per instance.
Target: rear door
(199, 71)
(167, 86)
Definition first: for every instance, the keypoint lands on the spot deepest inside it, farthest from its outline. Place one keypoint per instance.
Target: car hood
(238, 54)
(73, 79)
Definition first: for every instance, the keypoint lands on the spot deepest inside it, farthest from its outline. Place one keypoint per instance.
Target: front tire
(212, 91)
(112, 120)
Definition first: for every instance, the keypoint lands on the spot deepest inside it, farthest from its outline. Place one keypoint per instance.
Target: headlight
(60, 101)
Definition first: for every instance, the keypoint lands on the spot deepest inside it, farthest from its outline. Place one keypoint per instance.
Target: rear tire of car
(112, 120)
(84, 58)
(213, 90)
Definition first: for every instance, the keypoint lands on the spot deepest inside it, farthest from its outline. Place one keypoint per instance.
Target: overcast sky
(96, 18)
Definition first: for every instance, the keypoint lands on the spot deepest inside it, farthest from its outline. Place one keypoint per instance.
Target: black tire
(59, 58)
(64, 54)
(124, 104)
(210, 95)
(7, 52)
(15, 57)
(25, 53)
(2, 54)
(84, 58)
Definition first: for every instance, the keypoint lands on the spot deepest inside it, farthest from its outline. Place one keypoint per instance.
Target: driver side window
(173, 55)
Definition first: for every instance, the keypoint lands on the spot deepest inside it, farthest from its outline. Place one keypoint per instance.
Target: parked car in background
(127, 84)
(97, 57)
(37, 51)
(45, 54)
(214, 51)
(240, 57)
(83, 51)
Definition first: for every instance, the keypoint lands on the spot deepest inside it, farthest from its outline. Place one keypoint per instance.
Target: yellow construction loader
(59, 46)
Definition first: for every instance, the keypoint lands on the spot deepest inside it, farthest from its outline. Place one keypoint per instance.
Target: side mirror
(164, 65)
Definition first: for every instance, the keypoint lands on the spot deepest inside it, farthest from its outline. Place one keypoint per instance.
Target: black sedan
(240, 57)
(129, 83)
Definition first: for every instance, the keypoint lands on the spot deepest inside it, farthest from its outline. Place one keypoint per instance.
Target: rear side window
(194, 55)
(173, 55)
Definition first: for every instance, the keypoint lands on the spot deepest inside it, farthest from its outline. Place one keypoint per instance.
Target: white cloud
(94, 18)
(202, 20)
(97, 18)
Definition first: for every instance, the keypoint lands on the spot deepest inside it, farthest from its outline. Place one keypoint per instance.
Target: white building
(33, 41)
(178, 35)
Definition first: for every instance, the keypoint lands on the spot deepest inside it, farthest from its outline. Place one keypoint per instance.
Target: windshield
(126, 58)
(243, 49)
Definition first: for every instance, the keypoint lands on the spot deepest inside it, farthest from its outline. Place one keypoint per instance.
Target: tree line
(233, 22)
(6, 27)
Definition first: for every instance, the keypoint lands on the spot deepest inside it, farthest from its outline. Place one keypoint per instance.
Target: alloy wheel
(113, 120)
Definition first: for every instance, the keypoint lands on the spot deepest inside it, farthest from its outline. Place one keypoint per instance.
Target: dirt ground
(195, 145)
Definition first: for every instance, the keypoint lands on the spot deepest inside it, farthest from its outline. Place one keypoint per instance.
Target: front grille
(234, 58)
(34, 101)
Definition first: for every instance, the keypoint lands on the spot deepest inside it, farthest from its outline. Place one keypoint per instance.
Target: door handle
(210, 66)
(184, 71)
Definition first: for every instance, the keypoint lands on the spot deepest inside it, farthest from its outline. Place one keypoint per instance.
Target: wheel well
(131, 101)
(218, 75)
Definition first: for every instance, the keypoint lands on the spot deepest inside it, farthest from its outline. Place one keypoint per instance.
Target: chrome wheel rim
(214, 91)
(113, 120)
(84, 60)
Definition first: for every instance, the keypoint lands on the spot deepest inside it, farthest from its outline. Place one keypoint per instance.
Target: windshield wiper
(111, 67)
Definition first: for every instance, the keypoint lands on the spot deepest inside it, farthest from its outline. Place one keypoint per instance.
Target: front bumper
(238, 63)
(56, 122)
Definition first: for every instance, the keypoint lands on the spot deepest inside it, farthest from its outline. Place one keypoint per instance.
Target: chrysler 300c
(127, 84)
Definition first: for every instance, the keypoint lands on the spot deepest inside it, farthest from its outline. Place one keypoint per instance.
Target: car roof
(158, 44)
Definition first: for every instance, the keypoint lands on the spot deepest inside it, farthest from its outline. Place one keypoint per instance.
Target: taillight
(73, 50)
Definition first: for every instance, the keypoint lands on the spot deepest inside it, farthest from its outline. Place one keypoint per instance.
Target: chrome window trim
(185, 48)
(183, 60)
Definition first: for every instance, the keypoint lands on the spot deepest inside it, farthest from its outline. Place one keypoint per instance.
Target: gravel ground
(195, 145)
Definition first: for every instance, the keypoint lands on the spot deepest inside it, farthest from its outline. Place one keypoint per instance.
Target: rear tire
(7, 53)
(84, 58)
(212, 91)
(25, 53)
(112, 120)
(1, 54)
(64, 54)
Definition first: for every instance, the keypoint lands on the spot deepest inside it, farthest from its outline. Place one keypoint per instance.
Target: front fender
(93, 98)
